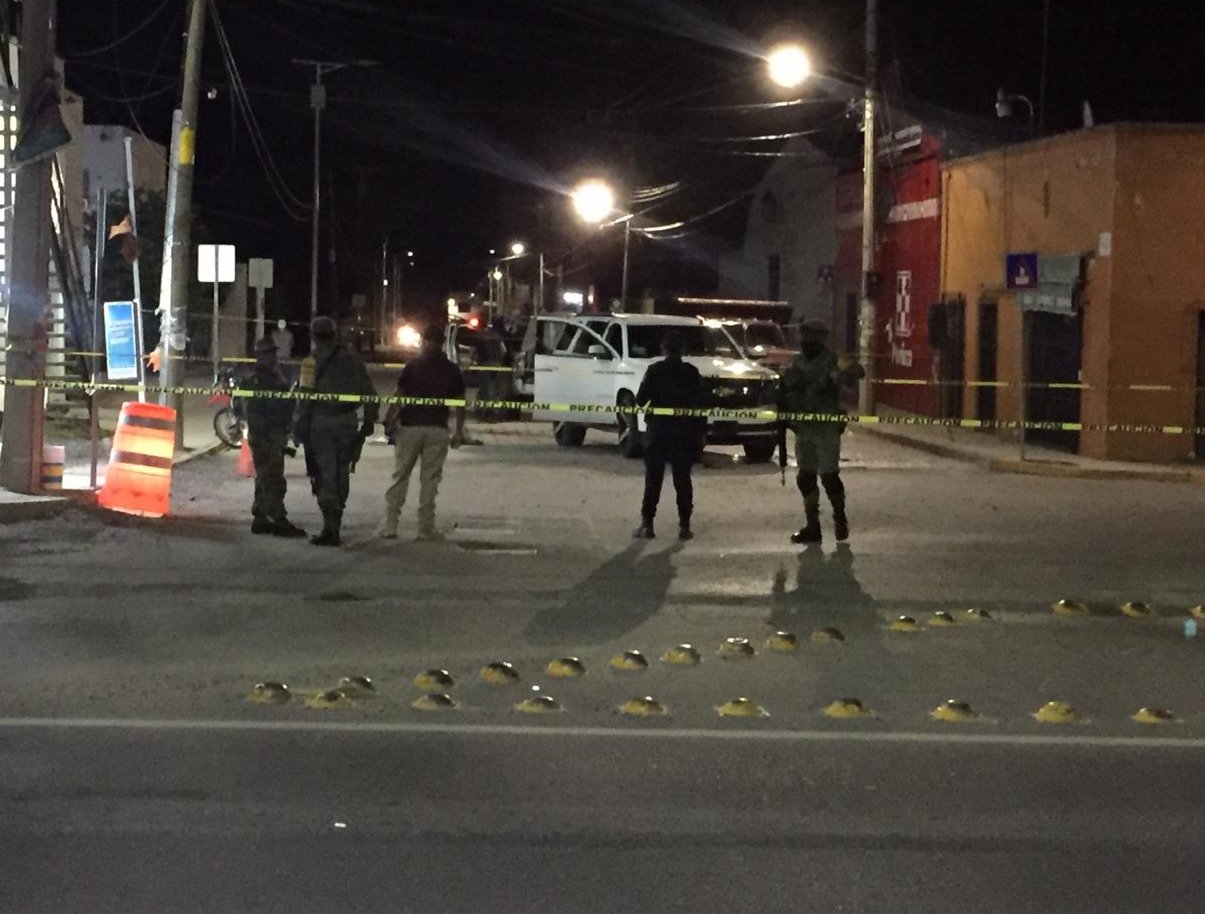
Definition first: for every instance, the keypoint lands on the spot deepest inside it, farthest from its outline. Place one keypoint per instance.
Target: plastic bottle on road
(1190, 628)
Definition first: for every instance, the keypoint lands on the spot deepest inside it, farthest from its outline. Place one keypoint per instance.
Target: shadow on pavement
(823, 584)
(619, 595)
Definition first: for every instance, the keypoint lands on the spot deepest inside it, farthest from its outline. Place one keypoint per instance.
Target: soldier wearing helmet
(330, 429)
(811, 384)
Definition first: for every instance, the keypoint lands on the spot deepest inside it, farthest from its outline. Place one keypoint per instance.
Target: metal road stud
(1198, 612)
(941, 619)
(682, 655)
(782, 641)
(1068, 607)
(736, 649)
(331, 698)
(434, 701)
(1136, 609)
(741, 707)
(847, 709)
(629, 660)
(434, 680)
(1057, 712)
(904, 624)
(827, 635)
(643, 707)
(269, 693)
(500, 672)
(1154, 716)
(565, 668)
(357, 687)
(954, 711)
(977, 615)
(538, 704)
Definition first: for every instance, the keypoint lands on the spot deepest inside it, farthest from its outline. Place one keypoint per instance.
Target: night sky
(480, 114)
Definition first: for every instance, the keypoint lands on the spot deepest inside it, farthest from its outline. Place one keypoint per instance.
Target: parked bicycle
(229, 422)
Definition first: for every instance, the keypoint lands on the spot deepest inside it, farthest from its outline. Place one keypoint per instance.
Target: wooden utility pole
(29, 271)
(177, 245)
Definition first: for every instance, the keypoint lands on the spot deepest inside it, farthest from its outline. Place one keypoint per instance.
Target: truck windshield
(763, 335)
(644, 340)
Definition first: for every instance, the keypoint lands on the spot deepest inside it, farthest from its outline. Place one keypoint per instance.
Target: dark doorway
(1054, 358)
(989, 328)
(774, 277)
(1200, 423)
(953, 359)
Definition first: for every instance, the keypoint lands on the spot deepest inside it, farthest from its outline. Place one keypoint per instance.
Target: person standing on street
(329, 428)
(812, 383)
(421, 433)
(676, 440)
(283, 337)
(269, 423)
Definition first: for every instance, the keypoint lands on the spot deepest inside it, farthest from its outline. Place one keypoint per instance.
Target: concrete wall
(104, 164)
(1130, 200)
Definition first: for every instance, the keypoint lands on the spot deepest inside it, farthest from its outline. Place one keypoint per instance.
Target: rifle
(782, 451)
(357, 450)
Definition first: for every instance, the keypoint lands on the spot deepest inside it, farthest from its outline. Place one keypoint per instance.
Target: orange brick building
(1116, 218)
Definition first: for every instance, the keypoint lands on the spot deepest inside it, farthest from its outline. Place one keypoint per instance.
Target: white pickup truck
(594, 363)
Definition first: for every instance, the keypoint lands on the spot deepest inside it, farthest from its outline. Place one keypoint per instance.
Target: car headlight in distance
(408, 337)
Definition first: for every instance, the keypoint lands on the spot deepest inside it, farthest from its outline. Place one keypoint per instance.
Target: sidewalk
(986, 449)
(199, 440)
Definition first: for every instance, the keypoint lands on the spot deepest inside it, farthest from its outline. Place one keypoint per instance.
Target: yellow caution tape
(763, 414)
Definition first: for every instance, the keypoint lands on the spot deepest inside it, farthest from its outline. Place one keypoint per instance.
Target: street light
(1004, 106)
(318, 102)
(594, 201)
(788, 65)
(518, 249)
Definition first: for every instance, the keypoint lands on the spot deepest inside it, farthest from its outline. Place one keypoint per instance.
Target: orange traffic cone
(245, 466)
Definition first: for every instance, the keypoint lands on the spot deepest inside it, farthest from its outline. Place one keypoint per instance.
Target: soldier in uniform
(812, 383)
(269, 422)
(330, 430)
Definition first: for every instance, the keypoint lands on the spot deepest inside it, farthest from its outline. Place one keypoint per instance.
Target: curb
(1044, 468)
(949, 451)
(36, 507)
(1072, 471)
(206, 451)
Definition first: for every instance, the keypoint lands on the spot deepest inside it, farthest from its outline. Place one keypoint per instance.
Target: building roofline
(1083, 135)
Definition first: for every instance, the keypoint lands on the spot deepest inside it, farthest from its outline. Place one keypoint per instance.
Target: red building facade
(907, 265)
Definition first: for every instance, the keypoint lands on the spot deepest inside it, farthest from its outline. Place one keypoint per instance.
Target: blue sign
(121, 340)
(1021, 270)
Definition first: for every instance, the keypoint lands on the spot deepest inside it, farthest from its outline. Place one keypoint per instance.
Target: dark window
(769, 206)
(773, 277)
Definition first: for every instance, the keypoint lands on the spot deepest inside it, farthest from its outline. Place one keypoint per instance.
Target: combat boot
(840, 523)
(261, 525)
(285, 527)
(645, 530)
(684, 532)
(810, 531)
(330, 530)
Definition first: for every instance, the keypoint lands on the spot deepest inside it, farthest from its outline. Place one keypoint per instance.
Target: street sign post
(215, 264)
(259, 277)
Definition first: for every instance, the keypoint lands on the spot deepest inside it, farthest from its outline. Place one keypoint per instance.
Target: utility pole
(868, 319)
(177, 245)
(318, 102)
(29, 270)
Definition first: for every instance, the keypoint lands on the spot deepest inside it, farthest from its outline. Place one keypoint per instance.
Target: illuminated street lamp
(788, 65)
(593, 201)
(518, 249)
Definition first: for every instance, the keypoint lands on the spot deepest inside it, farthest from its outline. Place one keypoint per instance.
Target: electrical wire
(293, 206)
(654, 231)
(122, 38)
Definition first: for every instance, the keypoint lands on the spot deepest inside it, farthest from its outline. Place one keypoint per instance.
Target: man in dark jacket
(269, 423)
(329, 426)
(676, 440)
(421, 433)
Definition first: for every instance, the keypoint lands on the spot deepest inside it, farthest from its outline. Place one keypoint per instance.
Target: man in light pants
(421, 433)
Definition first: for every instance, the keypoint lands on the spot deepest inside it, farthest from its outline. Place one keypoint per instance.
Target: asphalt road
(139, 777)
